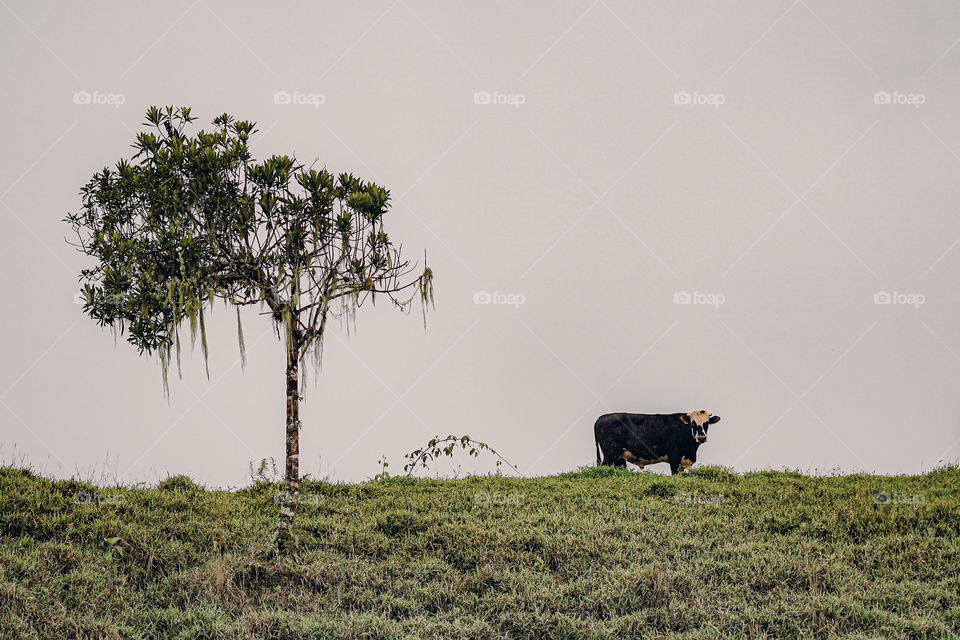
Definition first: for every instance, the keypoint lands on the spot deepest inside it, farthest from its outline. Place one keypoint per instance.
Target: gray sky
(785, 168)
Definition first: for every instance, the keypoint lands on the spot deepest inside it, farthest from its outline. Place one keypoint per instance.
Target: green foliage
(720, 474)
(266, 473)
(384, 474)
(603, 471)
(114, 547)
(181, 484)
(438, 447)
(194, 218)
(396, 523)
(601, 553)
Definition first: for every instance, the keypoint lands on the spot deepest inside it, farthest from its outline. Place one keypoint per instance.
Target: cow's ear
(714, 419)
(684, 418)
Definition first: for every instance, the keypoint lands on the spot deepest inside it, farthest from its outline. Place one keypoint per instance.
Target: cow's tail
(596, 438)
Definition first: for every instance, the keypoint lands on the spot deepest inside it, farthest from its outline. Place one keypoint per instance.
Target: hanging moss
(203, 343)
(243, 347)
(164, 371)
(426, 292)
(177, 341)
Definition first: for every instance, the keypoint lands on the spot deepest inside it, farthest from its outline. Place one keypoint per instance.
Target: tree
(189, 220)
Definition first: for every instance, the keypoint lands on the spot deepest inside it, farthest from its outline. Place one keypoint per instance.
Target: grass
(600, 553)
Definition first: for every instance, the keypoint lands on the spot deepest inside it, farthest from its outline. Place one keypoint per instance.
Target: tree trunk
(293, 416)
(288, 504)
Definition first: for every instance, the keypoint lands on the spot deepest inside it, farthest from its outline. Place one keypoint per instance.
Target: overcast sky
(748, 208)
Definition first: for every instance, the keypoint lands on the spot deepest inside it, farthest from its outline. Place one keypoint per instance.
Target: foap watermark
(899, 298)
(99, 98)
(485, 498)
(699, 297)
(699, 98)
(896, 97)
(898, 498)
(98, 498)
(113, 299)
(298, 98)
(514, 100)
(500, 298)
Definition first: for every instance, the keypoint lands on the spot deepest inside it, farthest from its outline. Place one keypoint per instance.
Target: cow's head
(699, 421)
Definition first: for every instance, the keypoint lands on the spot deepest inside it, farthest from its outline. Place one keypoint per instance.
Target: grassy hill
(594, 554)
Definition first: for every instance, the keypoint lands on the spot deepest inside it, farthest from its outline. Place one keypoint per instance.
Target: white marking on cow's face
(699, 418)
(699, 421)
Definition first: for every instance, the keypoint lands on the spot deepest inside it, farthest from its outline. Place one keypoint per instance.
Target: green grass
(594, 554)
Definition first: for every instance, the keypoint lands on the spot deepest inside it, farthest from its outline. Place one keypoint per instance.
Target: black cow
(643, 439)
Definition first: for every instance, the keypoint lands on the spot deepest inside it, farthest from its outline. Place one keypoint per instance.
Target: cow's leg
(674, 467)
(609, 459)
